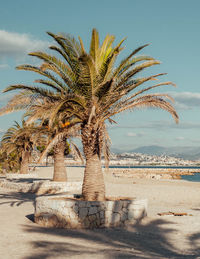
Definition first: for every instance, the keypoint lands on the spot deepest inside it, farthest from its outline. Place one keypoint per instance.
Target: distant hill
(188, 153)
(150, 150)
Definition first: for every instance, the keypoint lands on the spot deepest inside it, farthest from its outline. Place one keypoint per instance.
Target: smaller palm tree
(21, 140)
(59, 143)
(9, 163)
(59, 131)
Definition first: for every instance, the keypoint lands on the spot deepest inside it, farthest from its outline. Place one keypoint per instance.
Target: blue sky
(171, 27)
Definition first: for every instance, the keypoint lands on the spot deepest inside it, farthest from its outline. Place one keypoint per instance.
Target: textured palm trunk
(24, 162)
(59, 162)
(93, 183)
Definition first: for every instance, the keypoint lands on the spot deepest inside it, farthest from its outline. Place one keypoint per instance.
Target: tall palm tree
(21, 140)
(93, 89)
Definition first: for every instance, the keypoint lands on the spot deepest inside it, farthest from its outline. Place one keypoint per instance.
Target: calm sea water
(193, 178)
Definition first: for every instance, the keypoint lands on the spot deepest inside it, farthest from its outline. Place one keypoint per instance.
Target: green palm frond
(42, 72)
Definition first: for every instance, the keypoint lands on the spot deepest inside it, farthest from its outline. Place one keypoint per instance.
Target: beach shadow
(195, 242)
(26, 180)
(142, 240)
(17, 198)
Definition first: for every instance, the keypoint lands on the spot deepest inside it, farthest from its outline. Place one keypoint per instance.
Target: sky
(172, 28)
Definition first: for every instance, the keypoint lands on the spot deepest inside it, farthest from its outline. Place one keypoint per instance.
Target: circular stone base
(21, 176)
(51, 187)
(64, 212)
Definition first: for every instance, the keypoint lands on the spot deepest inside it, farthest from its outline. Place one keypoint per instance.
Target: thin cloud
(14, 44)
(133, 134)
(180, 138)
(4, 66)
(186, 100)
(160, 125)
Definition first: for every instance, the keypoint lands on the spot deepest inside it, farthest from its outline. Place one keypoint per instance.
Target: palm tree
(20, 140)
(9, 163)
(92, 88)
(58, 131)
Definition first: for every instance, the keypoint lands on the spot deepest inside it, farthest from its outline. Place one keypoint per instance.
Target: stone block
(102, 221)
(109, 205)
(92, 210)
(83, 212)
(124, 210)
(139, 214)
(124, 216)
(130, 214)
(102, 214)
(108, 215)
(98, 215)
(115, 218)
(75, 208)
(125, 204)
(95, 203)
(117, 206)
(70, 203)
(82, 204)
(98, 222)
(86, 223)
(92, 218)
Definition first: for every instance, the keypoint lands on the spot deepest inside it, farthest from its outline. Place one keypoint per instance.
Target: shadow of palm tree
(17, 198)
(195, 242)
(150, 240)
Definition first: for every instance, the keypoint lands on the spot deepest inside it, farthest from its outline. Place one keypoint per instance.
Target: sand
(154, 237)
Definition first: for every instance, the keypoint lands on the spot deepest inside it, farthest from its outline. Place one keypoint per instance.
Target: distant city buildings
(142, 159)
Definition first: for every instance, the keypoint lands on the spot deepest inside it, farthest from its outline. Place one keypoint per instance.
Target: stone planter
(63, 212)
(15, 186)
(41, 187)
(51, 187)
(21, 176)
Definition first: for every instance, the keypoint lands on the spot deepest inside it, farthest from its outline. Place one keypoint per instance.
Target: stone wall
(62, 212)
(15, 186)
(44, 187)
(21, 176)
(41, 187)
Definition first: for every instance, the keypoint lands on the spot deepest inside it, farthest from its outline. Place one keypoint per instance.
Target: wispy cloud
(133, 134)
(186, 100)
(4, 66)
(160, 125)
(180, 138)
(14, 44)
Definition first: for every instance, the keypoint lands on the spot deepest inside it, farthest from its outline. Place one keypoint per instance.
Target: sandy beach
(153, 237)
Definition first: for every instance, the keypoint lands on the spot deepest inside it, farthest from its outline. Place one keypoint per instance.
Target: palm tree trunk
(59, 162)
(93, 183)
(24, 162)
